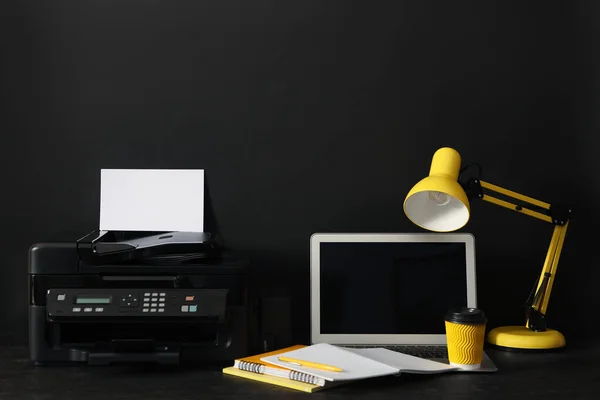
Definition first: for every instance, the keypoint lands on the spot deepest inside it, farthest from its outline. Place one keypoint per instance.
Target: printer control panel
(135, 302)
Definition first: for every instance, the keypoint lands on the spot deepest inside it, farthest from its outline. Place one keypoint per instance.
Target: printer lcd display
(92, 300)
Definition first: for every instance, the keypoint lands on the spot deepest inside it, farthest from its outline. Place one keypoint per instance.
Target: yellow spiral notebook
(254, 368)
(273, 380)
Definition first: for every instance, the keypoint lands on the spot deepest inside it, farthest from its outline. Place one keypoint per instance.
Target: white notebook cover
(357, 363)
(354, 365)
(404, 362)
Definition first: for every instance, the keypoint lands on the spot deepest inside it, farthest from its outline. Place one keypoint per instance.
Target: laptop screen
(390, 288)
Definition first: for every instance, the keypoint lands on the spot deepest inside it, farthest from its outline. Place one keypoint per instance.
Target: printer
(120, 297)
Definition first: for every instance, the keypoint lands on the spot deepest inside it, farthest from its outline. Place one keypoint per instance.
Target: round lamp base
(523, 338)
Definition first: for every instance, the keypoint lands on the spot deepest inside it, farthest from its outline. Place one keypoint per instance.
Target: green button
(193, 308)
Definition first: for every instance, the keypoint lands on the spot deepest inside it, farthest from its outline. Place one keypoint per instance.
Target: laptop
(391, 290)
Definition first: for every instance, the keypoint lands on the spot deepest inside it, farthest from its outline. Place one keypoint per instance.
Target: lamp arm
(537, 302)
(558, 215)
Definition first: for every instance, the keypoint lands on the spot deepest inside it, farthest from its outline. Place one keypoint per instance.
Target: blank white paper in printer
(152, 200)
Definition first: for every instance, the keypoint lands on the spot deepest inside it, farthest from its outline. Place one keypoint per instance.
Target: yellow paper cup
(465, 335)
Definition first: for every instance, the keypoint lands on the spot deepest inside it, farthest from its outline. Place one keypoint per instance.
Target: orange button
(189, 298)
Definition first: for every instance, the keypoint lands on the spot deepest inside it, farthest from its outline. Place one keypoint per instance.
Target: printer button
(145, 310)
(161, 304)
(154, 294)
(153, 310)
(146, 304)
(193, 308)
(184, 308)
(61, 297)
(163, 294)
(76, 309)
(146, 294)
(87, 309)
(161, 310)
(99, 309)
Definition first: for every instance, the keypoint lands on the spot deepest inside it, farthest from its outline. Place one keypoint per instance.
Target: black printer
(118, 297)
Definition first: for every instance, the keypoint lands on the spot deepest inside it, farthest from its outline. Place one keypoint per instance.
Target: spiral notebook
(255, 369)
(256, 365)
(274, 380)
(356, 363)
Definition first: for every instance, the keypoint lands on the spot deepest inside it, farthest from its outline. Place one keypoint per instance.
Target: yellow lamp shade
(438, 203)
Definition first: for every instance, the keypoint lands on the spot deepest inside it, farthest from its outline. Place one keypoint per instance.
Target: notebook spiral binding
(251, 367)
(302, 377)
(294, 375)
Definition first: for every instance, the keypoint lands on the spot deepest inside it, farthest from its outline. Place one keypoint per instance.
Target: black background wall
(307, 116)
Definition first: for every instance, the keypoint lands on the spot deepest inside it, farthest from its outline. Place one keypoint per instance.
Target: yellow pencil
(310, 364)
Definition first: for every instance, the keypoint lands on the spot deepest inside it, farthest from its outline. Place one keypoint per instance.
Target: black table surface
(573, 373)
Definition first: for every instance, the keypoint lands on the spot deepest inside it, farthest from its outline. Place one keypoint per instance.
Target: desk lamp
(440, 203)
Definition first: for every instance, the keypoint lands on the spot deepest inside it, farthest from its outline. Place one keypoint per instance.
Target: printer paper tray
(108, 343)
(109, 334)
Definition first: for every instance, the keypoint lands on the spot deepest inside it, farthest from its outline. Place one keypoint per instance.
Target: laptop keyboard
(439, 352)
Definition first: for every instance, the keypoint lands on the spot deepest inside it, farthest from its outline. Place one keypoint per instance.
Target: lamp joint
(536, 321)
(473, 188)
(560, 214)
